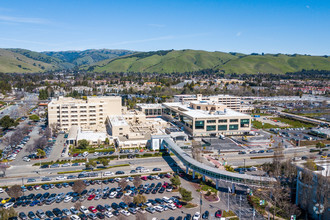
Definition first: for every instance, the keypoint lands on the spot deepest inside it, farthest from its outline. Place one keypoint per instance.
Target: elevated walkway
(212, 172)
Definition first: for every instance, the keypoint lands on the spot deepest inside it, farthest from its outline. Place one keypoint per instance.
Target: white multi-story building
(232, 102)
(89, 114)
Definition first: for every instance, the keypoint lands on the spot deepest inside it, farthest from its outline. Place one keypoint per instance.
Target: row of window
(221, 127)
(226, 120)
(73, 107)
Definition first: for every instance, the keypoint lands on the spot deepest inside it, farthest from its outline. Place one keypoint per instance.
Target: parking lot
(106, 187)
(221, 144)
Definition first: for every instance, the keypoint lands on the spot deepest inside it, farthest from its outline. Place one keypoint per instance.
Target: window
(233, 120)
(199, 124)
(198, 107)
(211, 128)
(233, 127)
(120, 129)
(120, 133)
(245, 123)
(222, 121)
(211, 121)
(222, 127)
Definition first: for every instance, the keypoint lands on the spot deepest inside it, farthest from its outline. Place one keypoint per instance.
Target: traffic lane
(38, 177)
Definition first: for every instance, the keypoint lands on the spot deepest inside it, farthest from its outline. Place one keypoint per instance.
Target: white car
(8, 205)
(1, 190)
(67, 199)
(96, 153)
(108, 173)
(158, 208)
(112, 195)
(141, 210)
(108, 214)
(171, 206)
(196, 216)
(74, 217)
(157, 177)
(83, 209)
(124, 212)
(60, 178)
(66, 165)
(128, 193)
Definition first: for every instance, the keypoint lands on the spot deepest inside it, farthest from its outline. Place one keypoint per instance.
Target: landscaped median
(99, 169)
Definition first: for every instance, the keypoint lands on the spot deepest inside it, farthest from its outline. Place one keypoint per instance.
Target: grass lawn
(294, 123)
(258, 125)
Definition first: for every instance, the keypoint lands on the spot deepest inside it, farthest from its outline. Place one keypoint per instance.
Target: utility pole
(240, 206)
(228, 196)
(201, 202)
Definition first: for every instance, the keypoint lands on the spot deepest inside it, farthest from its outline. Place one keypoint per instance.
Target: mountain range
(163, 61)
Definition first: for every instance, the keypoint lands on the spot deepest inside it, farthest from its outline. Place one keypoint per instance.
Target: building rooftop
(91, 136)
(117, 120)
(203, 114)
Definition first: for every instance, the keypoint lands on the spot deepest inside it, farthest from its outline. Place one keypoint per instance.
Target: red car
(178, 205)
(167, 175)
(91, 197)
(92, 209)
(218, 214)
(144, 178)
(76, 154)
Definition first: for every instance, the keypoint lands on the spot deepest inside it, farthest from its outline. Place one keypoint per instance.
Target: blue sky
(279, 26)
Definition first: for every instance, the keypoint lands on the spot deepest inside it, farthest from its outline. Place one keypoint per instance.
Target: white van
(8, 205)
(85, 154)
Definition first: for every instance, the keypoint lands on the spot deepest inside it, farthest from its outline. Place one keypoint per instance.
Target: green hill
(16, 62)
(163, 61)
(86, 57)
(193, 60)
(25, 61)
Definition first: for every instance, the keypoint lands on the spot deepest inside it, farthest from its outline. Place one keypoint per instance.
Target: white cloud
(23, 20)
(238, 34)
(307, 6)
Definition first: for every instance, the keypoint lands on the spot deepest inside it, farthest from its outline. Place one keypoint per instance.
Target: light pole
(201, 201)
(244, 165)
(228, 196)
(240, 206)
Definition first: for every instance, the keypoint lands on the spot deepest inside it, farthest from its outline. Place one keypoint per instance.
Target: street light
(201, 201)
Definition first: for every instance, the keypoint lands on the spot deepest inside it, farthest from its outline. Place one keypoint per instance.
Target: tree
(15, 191)
(3, 168)
(41, 153)
(90, 164)
(127, 199)
(78, 186)
(7, 122)
(185, 194)
(55, 127)
(48, 132)
(83, 144)
(107, 142)
(104, 161)
(139, 199)
(175, 180)
(320, 145)
(77, 205)
(40, 143)
(7, 213)
(140, 216)
(122, 183)
(137, 181)
(34, 118)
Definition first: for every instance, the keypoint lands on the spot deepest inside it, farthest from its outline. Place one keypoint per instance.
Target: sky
(246, 26)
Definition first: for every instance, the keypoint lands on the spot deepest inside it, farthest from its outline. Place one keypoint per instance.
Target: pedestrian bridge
(212, 172)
